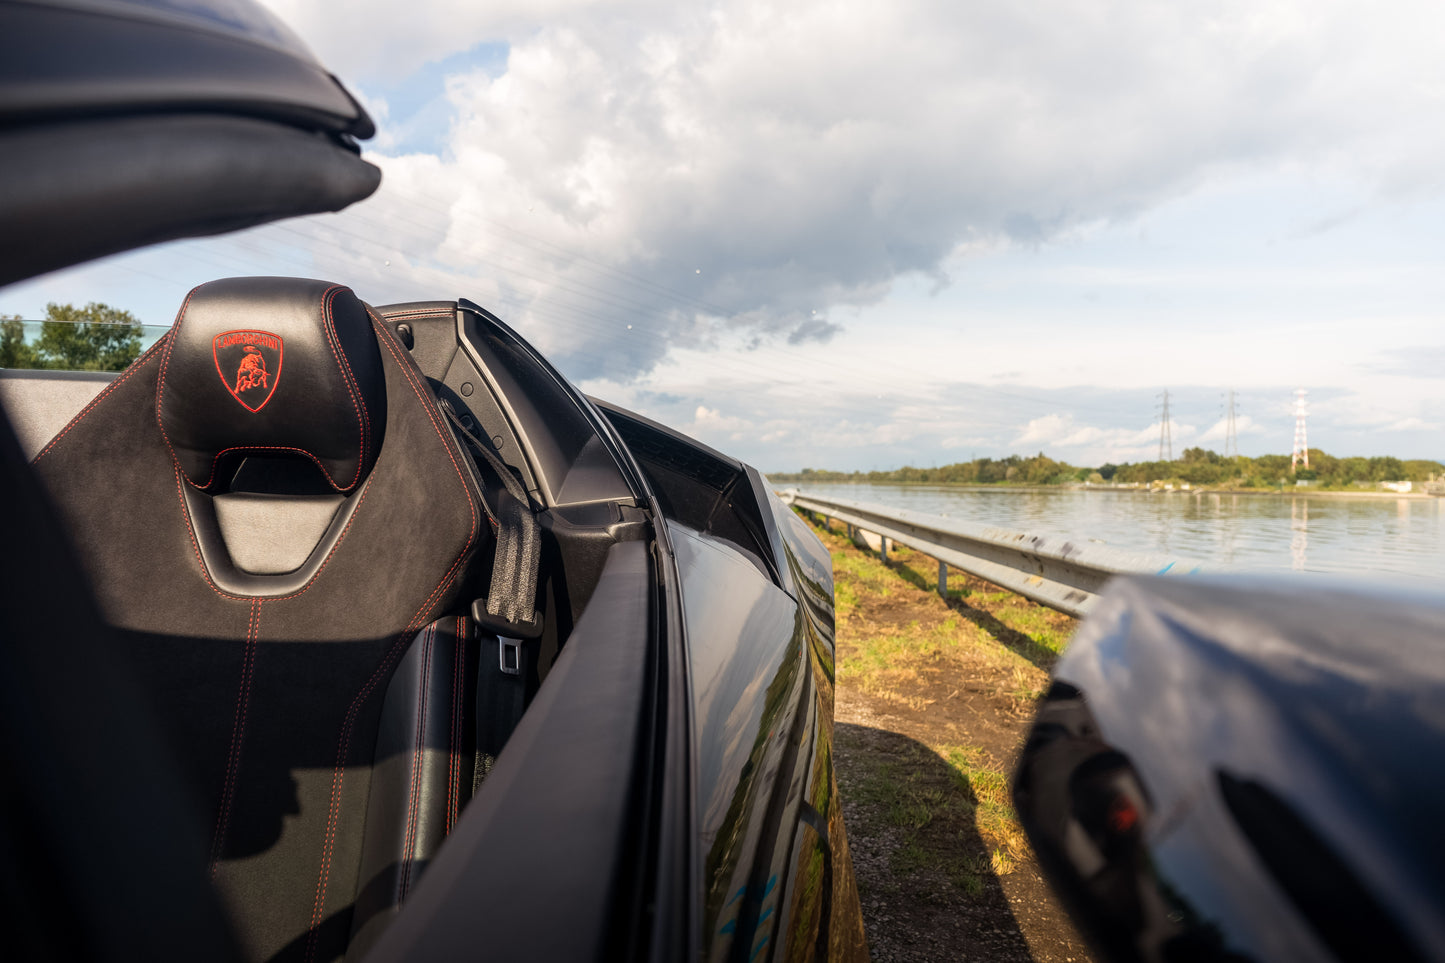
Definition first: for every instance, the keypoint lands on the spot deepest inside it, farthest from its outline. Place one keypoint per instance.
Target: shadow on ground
(1013, 639)
(924, 873)
(1010, 638)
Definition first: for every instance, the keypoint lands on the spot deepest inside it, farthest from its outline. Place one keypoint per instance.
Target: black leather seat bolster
(425, 749)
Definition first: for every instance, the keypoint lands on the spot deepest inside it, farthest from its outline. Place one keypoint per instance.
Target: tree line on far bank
(96, 337)
(1198, 467)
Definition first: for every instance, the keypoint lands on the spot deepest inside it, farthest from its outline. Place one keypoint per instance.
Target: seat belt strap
(511, 603)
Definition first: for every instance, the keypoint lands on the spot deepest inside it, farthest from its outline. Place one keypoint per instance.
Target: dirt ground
(934, 699)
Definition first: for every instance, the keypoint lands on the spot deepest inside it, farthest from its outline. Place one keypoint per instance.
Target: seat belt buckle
(504, 627)
(509, 655)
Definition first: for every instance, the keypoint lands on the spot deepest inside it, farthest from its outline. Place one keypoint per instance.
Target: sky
(856, 235)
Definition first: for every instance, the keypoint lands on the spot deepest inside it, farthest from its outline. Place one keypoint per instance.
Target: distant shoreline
(1123, 490)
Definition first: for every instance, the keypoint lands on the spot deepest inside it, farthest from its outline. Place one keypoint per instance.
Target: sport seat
(275, 517)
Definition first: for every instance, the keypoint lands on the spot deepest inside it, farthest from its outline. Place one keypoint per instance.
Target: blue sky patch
(419, 116)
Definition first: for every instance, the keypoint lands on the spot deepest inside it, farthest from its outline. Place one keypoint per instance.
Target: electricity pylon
(1301, 453)
(1166, 439)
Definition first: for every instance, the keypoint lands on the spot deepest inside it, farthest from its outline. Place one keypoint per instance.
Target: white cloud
(708, 422)
(1061, 436)
(1412, 424)
(962, 441)
(662, 197)
(380, 38)
(1084, 436)
(1219, 431)
(755, 164)
(1046, 430)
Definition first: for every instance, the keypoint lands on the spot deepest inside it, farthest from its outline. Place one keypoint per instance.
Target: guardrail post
(883, 548)
(942, 579)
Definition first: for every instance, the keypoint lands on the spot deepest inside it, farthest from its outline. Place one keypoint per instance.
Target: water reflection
(1299, 521)
(1310, 533)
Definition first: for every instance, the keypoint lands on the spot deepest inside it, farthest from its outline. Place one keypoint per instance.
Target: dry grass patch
(906, 634)
(934, 698)
(901, 644)
(940, 803)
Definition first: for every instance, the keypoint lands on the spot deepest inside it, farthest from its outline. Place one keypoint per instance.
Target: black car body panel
(1232, 768)
(747, 658)
(758, 606)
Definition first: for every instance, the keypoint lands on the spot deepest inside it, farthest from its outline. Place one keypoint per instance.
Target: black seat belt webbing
(509, 616)
(512, 598)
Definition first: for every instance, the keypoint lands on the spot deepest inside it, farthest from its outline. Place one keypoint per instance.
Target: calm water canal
(1404, 536)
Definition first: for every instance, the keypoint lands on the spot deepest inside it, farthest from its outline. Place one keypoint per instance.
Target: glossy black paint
(1231, 769)
(745, 653)
(757, 600)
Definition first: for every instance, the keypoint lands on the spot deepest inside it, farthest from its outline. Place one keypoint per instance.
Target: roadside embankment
(934, 699)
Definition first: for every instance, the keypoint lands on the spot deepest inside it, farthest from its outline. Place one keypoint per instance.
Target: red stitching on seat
(338, 774)
(238, 732)
(358, 402)
(205, 573)
(454, 743)
(136, 365)
(418, 753)
(412, 315)
(165, 364)
(300, 451)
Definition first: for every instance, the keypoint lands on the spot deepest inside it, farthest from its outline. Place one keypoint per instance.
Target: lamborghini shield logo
(249, 363)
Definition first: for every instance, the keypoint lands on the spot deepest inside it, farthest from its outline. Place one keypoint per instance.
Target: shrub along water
(1197, 466)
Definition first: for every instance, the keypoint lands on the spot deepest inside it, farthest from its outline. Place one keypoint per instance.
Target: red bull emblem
(249, 363)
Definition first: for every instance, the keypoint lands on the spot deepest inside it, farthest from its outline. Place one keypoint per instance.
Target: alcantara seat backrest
(272, 509)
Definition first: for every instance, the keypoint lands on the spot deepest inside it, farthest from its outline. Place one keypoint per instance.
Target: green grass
(993, 813)
(1035, 632)
(1039, 624)
(891, 649)
(845, 598)
(925, 796)
(948, 805)
(980, 624)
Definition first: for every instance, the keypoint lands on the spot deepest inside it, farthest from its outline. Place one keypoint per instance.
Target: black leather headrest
(272, 366)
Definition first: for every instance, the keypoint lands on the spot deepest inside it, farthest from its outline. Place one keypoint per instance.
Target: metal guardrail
(1050, 570)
